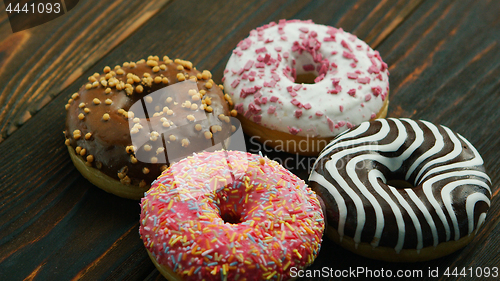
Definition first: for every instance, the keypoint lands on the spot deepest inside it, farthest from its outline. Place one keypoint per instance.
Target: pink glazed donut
(268, 73)
(230, 215)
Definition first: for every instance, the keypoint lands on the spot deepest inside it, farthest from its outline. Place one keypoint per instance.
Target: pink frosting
(230, 215)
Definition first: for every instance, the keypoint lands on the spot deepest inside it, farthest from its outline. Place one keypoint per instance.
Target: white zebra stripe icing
(372, 176)
(338, 199)
(436, 160)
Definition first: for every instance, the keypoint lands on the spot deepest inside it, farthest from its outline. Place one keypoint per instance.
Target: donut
(436, 208)
(230, 215)
(297, 84)
(127, 124)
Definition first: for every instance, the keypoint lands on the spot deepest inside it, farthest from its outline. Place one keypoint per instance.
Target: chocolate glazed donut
(98, 134)
(436, 216)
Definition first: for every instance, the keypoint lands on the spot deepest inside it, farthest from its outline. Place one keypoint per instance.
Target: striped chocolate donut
(438, 215)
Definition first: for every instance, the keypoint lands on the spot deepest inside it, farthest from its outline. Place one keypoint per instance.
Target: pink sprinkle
(384, 66)
(294, 130)
(275, 76)
(297, 87)
(353, 65)
(256, 101)
(314, 34)
(334, 52)
(351, 75)
(268, 40)
(304, 29)
(336, 90)
(373, 116)
(352, 92)
(274, 99)
(286, 55)
(348, 55)
(248, 65)
(335, 81)
(283, 38)
(349, 125)
(341, 123)
(278, 48)
(307, 106)
(364, 80)
(331, 125)
(239, 108)
(261, 50)
(296, 102)
(235, 83)
(334, 65)
(373, 69)
(266, 58)
(260, 65)
(341, 108)
(329, 39)
(271, 109)
(247, 91)
(238, 52)
(298, 113)
(270, 84)
(323, 69)
(263, 100)
(319, 113)
(308, 67)
(319, 78)
(345, 45)
(368, 97)
(254, 108)
(289, 89)
(376, 90)
(257, 118)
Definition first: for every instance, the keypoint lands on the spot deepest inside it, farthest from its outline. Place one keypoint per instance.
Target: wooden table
(444, 59)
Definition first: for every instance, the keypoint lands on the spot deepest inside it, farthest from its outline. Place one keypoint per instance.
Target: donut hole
(307, 69)
(230, 208)
(306, 78)
(399, 183)
(231, 217)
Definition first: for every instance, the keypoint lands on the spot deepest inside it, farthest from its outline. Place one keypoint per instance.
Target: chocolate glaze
(111, 139)
(449, 200)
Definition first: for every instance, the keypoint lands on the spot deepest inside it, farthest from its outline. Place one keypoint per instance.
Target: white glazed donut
(351, 82)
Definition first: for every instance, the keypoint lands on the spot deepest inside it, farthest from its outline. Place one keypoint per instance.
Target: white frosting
(259, 78)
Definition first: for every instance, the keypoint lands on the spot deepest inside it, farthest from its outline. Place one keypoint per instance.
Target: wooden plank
(38, 63)
(54, 224)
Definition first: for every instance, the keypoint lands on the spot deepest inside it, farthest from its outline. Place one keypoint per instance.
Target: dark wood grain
(38, 63)
(444, 60)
